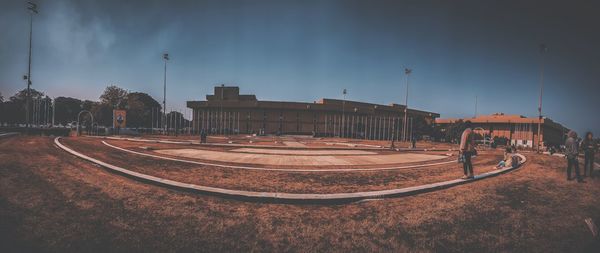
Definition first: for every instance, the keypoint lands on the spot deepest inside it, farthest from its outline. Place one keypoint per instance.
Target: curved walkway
(289, 197)
(276, 169)
(265, 146)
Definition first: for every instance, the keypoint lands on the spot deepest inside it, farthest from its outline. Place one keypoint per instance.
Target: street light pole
(53, 110)
(221, 118)
(32, 10)
(166, 58)
(343, 133)
(543, 49)
(407, 72)
(475, 106)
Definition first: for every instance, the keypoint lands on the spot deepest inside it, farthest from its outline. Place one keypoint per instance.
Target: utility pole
(344, 92)
(407, 72)
(475, 106)
(53, 110)
(166, 58)
(32, 10)
(543, 49)
(221, 121)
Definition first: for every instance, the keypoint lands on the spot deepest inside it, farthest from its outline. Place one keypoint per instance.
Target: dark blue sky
(305, 50)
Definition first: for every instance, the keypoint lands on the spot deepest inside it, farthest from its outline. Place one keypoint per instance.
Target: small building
(229, 112)
(519, 130)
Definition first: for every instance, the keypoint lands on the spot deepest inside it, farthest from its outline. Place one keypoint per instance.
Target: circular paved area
(288, 197)
(300, 158)
(302, 152)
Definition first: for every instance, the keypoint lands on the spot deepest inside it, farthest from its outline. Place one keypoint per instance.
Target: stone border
(275, 169)
(276, 197)
(8, 134)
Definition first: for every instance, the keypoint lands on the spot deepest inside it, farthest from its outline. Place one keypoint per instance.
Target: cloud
(73, 39)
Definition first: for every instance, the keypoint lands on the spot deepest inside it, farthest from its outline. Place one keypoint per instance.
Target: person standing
(467, 149)
(203, 136)
(572, 153)
(589, 150)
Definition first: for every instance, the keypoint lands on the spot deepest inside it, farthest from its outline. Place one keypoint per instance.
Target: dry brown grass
(51, 201)
(276, 181)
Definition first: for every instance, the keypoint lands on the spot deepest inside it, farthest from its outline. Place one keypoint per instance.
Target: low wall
(37, 131)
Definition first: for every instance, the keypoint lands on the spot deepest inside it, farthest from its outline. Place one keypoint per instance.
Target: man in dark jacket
(572, 152)
(589, 150)
(467, 149)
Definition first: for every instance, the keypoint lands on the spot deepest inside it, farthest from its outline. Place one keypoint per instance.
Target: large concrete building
(520, 130)
(228, 112)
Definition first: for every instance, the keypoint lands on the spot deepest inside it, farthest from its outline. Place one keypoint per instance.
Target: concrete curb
(8, 134)
(331, 198)
(275, 169)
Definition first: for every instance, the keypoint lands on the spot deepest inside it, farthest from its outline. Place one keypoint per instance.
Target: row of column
(345, 126)
(523, 131)
(366, 127)
(216, 121)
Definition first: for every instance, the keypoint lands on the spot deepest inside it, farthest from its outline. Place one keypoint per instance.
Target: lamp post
(53, 110)
(344, 92)
(407, 72)
(32, 10)
(221, 122)
(475, 106)
(165, 58)
(543, 49)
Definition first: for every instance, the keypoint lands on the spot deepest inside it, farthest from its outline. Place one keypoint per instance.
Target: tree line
(143, 111)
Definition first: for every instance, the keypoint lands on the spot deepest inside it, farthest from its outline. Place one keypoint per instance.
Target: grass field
(52, 201)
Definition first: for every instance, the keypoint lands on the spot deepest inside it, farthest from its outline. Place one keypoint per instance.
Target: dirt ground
(52, 201)
(276, 181)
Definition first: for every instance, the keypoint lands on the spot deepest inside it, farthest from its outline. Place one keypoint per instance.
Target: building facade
(228, 112)
(519, 130)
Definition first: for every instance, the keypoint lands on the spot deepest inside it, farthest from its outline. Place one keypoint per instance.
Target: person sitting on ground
(572, 153)
(551, 150)
(467, 149)
(507, 158)
(589, 147)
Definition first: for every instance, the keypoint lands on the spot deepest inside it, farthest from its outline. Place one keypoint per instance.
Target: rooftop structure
(520, 130)
(226, 111)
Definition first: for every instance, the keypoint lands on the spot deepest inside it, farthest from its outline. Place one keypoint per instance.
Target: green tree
(114, 96)
(22, 95)
(453, 131)
(140, 108)
(16, 106)
(176, 119)
(66, 109)
(421, 127)
(102, 114)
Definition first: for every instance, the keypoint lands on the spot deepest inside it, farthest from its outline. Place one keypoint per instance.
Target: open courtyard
(299, 126)
(53, 200)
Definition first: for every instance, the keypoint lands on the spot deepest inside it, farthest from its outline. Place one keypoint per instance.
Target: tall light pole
(543, 49)
(165, 58)
(407, 72)
(344, 92)
(475, 106)
(32, 10)
(53, 110)
(221, 122)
